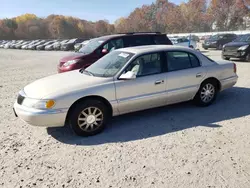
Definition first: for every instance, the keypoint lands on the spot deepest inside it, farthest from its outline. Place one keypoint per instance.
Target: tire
(219, 47)
(247, 59)
(225, 58)
(88, 123)
(205, 48)
(191, 46)
(205, 99)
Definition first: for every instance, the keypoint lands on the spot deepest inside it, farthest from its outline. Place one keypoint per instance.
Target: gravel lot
(175, 146)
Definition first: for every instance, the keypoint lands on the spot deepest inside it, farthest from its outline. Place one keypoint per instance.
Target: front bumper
(234, 54)
(210, 45)
(43, 118)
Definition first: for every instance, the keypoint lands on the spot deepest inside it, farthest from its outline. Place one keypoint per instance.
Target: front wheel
(225, 58)
(206, 94)
(219, 47)
(88, 118)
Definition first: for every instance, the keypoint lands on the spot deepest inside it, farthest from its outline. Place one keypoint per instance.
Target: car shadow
(230, 104)
(238, 60)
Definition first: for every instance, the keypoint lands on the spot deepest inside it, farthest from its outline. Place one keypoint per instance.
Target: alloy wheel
(90, 119)
(207, 93)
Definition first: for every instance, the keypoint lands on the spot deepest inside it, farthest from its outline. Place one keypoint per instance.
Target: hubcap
(90, 119)
(207, 93)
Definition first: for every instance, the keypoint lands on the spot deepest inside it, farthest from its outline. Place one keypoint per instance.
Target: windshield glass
(91, 46)
(243, 38)
(110, 64)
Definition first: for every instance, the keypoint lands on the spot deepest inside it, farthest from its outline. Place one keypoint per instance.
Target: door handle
(159, 82)
(198, 75)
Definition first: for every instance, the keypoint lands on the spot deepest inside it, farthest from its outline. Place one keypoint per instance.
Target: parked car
(42, 46)
(239, 48)
(78, 46)
(34, 45)
(70, 44)
(7, 45)
(26, 46)
(101, 46)
(51, 46)
(19, 46)
(184, 42)
(126, 80)
(57, 46)
(3, 43)
(217, 41)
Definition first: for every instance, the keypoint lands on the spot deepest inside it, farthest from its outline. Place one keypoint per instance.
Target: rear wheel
(88, 118)
(207, 93)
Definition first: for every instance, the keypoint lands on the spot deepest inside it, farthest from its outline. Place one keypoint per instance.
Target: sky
(84, 9)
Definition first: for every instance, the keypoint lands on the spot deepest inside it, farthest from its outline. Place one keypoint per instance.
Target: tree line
(162, 15)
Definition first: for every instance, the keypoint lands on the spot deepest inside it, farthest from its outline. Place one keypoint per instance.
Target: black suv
(99, 47)
(239, 48)
(217, 41)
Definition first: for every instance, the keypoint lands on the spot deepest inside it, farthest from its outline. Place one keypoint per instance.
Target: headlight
(38, 104)
(70, 62)
(243, 47)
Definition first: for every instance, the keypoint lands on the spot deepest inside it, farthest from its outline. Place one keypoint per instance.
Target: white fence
(209, 33)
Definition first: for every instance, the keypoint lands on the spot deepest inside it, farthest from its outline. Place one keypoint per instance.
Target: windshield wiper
(83, 70)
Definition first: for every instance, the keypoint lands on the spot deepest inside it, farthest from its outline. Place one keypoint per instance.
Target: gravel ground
(176, 146)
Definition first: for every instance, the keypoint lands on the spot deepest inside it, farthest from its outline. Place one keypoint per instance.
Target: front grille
(20, 99)
(231, 48)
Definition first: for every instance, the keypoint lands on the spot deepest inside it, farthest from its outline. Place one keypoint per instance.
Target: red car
(99, 47)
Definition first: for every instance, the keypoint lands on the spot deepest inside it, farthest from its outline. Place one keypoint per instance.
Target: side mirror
(128, 76)
(104, 51)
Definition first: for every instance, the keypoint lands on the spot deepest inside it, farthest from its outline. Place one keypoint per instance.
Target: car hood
(72, 56)
(237, 44)
(60, 84)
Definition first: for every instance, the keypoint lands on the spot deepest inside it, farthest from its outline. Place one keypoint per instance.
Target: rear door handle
(198, 75)
(159, 82)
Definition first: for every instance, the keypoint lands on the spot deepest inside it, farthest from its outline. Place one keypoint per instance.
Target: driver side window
(146, 65)
(114, 44)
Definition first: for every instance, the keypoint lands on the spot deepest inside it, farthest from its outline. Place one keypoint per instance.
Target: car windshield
(243, 38)
(110, 64)
(215, 37)
(91, 46)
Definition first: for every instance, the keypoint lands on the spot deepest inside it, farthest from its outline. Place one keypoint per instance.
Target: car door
(184, 76)
(148, 89)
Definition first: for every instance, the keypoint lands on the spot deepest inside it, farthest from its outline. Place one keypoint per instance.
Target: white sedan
(124, 81)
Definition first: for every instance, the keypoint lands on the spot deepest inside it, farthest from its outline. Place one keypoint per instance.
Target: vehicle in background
(194, 38)
(68, 46)
(18, 46)
(217, 41)
(42, 46)
(101, 46)
(239, 48)
(78, 46)
(184, 42)
(51, 46)
(12, 45)
(124, 81)
(8, 44)
(3, 43)
(57, 46)
(26, 46)
(33, 46)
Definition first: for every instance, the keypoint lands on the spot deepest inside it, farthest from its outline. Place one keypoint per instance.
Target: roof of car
(129, 34)
(152, 48)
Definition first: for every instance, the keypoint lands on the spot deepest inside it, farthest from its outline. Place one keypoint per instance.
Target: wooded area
(163, 16)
